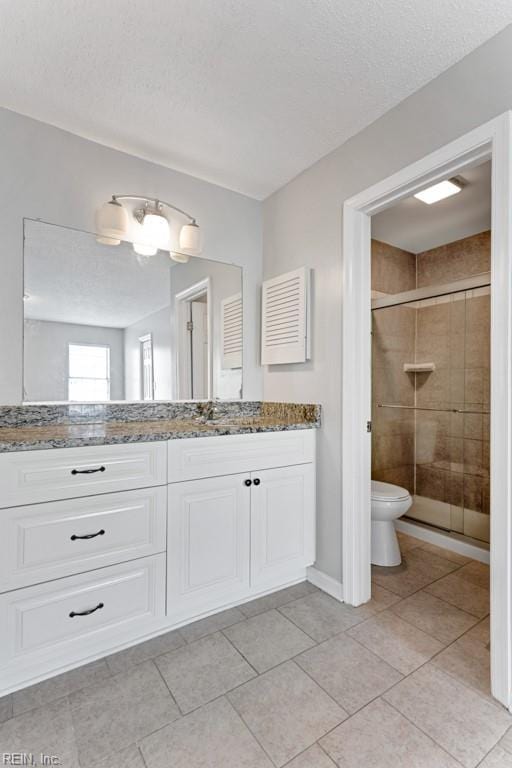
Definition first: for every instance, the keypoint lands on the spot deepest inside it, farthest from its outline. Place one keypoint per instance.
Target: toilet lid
(388, 492)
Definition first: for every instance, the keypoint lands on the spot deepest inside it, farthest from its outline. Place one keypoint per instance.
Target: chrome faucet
(208, 410)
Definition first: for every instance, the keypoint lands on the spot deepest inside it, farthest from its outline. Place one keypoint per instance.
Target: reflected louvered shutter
(231, 324)
(285, 318)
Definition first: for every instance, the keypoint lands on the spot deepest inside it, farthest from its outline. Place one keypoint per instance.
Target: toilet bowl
(389, 502)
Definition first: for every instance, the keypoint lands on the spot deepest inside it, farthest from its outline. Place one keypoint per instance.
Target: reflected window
(89, 372)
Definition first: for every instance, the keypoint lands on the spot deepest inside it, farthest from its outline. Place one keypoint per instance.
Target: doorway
(194, 354)
(492, 141)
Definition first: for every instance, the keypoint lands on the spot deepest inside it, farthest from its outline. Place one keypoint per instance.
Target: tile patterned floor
(294, 679)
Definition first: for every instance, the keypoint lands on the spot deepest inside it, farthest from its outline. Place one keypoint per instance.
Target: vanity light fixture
(112, 225)
(439, 191)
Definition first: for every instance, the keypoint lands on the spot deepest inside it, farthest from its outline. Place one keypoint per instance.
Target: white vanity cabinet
(104, 547)
(234, 534)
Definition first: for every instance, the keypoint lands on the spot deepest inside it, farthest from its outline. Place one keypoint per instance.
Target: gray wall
(303, 226)
(46, 357)
(159, 325)
(61, 178)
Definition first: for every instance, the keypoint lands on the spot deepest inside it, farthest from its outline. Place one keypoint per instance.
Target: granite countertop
(109, 432)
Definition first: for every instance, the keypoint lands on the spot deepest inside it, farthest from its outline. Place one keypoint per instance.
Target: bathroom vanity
(114, 532)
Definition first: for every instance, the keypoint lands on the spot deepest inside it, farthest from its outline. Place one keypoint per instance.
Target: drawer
(101, 607)
(40, 542)
(28, 477)
(201, 457)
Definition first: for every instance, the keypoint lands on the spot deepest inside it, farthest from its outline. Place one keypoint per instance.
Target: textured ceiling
(416, 227)
(243, 93)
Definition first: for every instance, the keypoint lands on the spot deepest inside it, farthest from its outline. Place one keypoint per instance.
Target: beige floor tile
(447, 553)
(382, 598)
(506, 742)
(397, 642)
(119, 662)
(481, 632)
(418, 569)
(59, 686)
(48, 729)
(127, 758)
(268, 639)
(314, 757)
(497, 758)
(111, 716)
(348, 671)
(436, 617)
(211, 737)
(462, 594)
(5, 708)
(202, 671)
(322, 617)
(476, 573)
(407, 542)
(469, 662)
(211, 624)
(277, 599)
(380, 737)
(286, 711)
(460, 720)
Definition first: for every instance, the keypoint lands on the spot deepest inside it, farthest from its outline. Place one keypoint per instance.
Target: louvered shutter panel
(231, 325)
(285, 318)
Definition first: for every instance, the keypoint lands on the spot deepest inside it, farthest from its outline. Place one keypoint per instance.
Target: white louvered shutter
(285, 318)
(231, 325)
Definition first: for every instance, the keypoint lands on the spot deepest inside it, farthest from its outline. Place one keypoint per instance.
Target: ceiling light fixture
(112, 226)
(439, 191)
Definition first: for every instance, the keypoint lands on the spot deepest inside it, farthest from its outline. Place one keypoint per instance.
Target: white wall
(158, 324)
(53, 175)
(225, 280)
(46, 357)
(303, 226)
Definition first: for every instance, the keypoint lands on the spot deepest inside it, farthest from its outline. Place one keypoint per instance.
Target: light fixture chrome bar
(428, 408)
(156, 201)
(431, 292)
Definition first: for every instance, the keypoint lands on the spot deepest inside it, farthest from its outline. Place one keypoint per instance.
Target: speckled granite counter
(39, 427)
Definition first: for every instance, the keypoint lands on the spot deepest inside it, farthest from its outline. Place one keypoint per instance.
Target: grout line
(429, 737)
(167, 686)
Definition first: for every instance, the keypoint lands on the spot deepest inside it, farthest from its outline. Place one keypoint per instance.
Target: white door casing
(492, 140)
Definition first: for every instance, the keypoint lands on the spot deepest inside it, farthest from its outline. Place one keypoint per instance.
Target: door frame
(493, 140)
(183, 356)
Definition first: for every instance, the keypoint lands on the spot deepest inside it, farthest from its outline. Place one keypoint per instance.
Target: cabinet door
(208, 537)
(282, 524)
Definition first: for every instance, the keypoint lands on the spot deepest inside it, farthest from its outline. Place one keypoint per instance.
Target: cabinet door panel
(208, 544)
(282, 524)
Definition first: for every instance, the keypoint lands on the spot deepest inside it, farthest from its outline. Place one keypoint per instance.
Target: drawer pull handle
(87, 471)
(74, 537)
(256, 481)
(85, 613)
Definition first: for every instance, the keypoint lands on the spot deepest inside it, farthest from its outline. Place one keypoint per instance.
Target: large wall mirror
(102, 323)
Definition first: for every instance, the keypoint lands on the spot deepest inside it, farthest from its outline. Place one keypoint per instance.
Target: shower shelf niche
(419, 367)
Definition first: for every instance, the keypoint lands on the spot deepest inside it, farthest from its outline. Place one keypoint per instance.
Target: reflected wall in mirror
(101, 323)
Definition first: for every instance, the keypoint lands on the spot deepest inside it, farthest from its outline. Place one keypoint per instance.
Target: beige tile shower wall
(453, 261)
(393, 271)
(452, 450)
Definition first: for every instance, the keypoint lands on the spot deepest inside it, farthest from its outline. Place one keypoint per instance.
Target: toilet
(389, 502)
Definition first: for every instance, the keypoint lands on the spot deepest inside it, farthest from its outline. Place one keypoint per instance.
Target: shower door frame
(492, 141)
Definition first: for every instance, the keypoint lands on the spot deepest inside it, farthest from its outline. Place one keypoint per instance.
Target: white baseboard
(326, 583)
(452, 541)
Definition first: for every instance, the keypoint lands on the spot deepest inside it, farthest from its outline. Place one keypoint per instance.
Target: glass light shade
(156, 230)
(111, 223)
(181, 258)
(190, 239)
(145, 249)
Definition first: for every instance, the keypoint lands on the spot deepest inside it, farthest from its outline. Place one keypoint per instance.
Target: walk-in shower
(430, 380)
